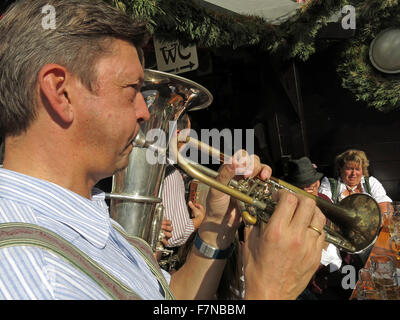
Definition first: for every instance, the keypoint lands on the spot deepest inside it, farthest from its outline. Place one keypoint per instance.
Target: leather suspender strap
(335, 189)
(367, 185)
(25, 234)
(147, 253)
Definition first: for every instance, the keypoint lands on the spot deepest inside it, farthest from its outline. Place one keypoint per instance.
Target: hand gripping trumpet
(356, 220)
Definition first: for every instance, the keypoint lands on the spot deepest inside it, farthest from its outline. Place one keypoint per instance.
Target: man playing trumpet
(71, 107)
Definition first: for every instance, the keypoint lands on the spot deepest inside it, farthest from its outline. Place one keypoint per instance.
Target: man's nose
(142, 109)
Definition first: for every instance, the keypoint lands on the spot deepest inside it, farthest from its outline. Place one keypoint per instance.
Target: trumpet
(356, 220)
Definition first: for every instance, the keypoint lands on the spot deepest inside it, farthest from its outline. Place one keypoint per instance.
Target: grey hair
(83, 32)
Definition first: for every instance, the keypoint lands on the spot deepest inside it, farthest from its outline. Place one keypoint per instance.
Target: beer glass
(395, 243)
(394, 219)
(383, 274)
(365, 286)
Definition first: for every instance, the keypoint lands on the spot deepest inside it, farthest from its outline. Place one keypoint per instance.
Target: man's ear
(52, 80)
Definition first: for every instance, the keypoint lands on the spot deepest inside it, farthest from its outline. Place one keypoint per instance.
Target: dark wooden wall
(247, 90)
(336, 122)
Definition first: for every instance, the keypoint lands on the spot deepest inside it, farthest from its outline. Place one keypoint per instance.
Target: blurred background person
(352, 176)
(174, 199)
(304, 175)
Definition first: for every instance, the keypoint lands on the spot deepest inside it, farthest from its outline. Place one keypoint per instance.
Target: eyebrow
(353, 166)
(135, 84)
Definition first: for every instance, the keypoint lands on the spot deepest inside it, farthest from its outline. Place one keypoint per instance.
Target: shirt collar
(85, 216)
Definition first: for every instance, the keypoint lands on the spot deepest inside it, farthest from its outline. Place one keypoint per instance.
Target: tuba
(135, 198)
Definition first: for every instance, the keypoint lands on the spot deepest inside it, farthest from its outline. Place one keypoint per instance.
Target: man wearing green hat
(303, 174)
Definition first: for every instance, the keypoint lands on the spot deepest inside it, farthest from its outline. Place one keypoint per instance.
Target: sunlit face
(312, 188)
(351, 173)
(109, 119)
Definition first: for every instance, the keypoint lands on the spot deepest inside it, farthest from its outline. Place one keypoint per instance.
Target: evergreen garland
(368, 84)
(295, 38)
(377, 89)
(298, 34)
(190, 23)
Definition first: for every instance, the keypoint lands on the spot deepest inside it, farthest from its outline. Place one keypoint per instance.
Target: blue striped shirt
(28, 272)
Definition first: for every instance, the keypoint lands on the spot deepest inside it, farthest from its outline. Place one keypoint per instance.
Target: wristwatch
(211, 252)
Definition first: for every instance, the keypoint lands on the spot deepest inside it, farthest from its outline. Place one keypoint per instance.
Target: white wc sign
(174, 58)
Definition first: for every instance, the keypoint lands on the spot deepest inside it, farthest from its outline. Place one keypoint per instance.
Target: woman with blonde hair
(352, 176)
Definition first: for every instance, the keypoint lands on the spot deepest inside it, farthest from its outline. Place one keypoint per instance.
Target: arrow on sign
(188, 66)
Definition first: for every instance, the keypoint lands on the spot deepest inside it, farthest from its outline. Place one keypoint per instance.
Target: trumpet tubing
(356, 220)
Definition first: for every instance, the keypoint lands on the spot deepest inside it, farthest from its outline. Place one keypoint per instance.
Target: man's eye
(133, 90)
(136, 86)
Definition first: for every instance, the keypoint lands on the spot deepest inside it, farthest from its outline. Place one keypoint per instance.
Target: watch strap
(211, 252)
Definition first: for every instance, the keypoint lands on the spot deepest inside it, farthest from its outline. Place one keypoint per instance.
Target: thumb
(225, 173)
(191, 205)
(233, 167)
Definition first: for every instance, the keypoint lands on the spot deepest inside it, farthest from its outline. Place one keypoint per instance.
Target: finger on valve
(246, 165)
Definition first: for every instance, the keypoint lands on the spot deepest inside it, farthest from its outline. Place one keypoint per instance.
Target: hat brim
(306, 179)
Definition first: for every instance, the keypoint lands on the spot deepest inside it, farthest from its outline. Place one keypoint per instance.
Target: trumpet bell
(362, 222)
